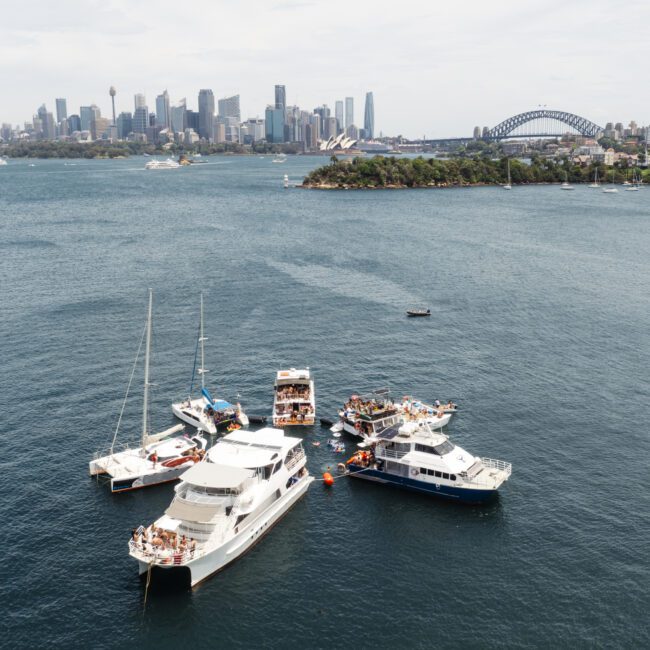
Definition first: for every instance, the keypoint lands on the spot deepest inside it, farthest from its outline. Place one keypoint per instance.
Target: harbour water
(539, 330)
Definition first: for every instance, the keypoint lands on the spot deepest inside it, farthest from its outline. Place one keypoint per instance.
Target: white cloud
(435, 68)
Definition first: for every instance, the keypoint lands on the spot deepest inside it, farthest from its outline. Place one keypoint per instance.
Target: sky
(435, 68)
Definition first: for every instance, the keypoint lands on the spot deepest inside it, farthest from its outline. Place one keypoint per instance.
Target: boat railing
(111, 451)
(155, 555)
(297, 457)
(389, 453)
(501, 465)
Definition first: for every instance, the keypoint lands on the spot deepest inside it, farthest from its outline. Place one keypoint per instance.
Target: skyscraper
(179, 117)
(369, 117)
(349, 111)
(338, 112)
(274, 124)
(86, 114)
(280, 97)
(124, 125)
(74, 123)
(139, 101)
(61, 110)
(47, 123)
(229, 107)
(141, 119)
(206, 113)
(163, 117)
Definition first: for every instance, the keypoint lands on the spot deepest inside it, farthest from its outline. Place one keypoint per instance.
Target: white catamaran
(206, 413)
(161, 457)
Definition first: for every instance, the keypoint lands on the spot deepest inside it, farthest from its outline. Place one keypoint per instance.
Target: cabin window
(240, 519)
(423, 470)
(278, 465)
(228, 510)
(439, 450)
(437, 474)
(452, 477)
(445, 476)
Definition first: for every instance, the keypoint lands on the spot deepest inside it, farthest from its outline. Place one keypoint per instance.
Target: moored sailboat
(161, 457)
(204, 412)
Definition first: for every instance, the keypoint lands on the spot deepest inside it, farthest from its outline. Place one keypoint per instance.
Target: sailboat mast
(147, 354)
(202, 340)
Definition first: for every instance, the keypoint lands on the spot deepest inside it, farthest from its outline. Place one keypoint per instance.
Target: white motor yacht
(3, 162)
(162, 164)
(414, 456)
(294, 399)
(161, 457)
(204, 412)
(366, 415)
(223, 506)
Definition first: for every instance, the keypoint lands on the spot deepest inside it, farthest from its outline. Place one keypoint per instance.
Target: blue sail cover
(206, 394)
(221, 405)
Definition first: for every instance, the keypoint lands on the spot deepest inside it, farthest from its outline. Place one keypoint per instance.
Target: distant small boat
(566, 185)
(612, 189)
(162, 164)
(418, 312)
(3, 162)
(595, 183)
(286, 182)
(280, 158)
(508, 185)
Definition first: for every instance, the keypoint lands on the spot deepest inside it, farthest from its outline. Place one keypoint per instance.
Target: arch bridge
(542, 123)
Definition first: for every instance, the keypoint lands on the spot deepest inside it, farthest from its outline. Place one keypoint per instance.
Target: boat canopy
(221, 405)
(192, 511)
(214, 475)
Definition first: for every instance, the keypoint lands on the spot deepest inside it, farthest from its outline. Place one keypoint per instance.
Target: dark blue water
(539, 330)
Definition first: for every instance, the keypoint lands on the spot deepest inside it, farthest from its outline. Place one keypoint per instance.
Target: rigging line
(196, 352)
(135, 363)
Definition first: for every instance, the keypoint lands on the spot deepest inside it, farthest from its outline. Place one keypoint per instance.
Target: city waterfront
(539, 330)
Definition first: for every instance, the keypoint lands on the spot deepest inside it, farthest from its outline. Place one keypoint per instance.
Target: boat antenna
(147, 355)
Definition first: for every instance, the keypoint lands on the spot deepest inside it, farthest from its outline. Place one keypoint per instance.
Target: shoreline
(431, 186)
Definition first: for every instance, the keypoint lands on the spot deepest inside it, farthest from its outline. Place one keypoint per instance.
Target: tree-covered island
(389, 172)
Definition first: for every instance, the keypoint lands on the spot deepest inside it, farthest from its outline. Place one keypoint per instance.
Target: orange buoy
(328, 479)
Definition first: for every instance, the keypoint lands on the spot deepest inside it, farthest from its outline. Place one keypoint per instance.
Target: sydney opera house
(341, 143)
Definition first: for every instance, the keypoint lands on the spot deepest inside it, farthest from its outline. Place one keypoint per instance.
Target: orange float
(328, 479)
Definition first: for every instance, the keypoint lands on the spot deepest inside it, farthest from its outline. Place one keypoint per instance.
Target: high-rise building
(61, 109)
(349, 111)
(316, 128)
(163, 117)
(124, 125)
(192, 119)
(206, 113)
(369, 117)
(330, 128)
(280, 97)
(47, 123)
(179, 117)
(338, 112)
(140, 119)
(99, 127)
(74, 123)
(229, 107)
(274, 124)
(252, 130)
(139, 101)
(86, 113)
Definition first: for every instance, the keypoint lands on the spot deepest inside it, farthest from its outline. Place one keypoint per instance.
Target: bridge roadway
(448, 141)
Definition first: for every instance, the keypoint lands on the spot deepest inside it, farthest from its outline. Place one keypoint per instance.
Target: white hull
(204, 566)
(195, 415)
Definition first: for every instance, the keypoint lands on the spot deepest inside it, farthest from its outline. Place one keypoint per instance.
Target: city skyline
(462, 66)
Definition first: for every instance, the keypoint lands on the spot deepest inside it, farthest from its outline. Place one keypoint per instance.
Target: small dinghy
(418, 312)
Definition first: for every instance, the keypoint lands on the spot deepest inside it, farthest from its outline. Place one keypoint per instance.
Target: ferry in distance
(223, 506)
(415, 457)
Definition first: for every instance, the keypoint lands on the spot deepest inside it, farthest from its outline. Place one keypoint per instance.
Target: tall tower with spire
(112, 92)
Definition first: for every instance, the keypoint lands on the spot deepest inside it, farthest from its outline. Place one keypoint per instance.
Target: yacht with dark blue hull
(415, 457)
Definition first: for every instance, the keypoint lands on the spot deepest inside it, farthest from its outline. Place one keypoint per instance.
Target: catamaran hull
(191, 417)
(206, 565)
(125, 484)
(463, 495)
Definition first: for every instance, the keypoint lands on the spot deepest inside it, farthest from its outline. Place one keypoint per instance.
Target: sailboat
(634, 187)
(612, 189)
(161, 457)
(204, 412)
(566, 185)
(508, 185)
(595, 183)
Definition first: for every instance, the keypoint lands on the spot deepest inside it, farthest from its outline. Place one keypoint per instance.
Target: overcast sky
(436, 68)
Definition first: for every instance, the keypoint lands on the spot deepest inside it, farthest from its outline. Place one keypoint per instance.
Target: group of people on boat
(160, 542)
(367, 407)
(293, 392)
(289, 415)
(364, 458)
